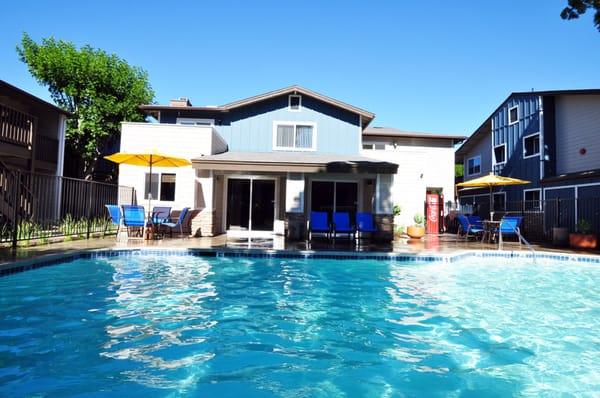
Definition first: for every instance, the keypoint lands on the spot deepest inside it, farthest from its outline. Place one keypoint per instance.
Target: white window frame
(295, 123)
(290, 102)
(494, 200)
(195, 121)
(509, 110)
(540, 146)
(539, 206)
(505, 154)
(374, 145)
(467, 166)
(158, 188)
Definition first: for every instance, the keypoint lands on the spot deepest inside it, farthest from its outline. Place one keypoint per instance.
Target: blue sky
(439, 66)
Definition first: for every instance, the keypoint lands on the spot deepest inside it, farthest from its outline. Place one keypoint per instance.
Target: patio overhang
(296, 162)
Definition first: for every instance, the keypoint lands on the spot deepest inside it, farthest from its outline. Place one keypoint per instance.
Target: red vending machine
(432, 212)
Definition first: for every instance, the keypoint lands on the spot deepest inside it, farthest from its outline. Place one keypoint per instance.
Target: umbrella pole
(491, 205)
(150, 187)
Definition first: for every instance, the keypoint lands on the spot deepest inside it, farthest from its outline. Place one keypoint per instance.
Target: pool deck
(430, 245)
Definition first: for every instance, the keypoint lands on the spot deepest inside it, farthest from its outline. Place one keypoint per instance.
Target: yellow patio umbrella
(148, 159)
(491, 180)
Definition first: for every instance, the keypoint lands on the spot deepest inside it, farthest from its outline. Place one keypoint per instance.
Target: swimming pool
(158, 325)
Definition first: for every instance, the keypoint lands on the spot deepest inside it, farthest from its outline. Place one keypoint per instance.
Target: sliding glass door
(250, 204)
(330, 196)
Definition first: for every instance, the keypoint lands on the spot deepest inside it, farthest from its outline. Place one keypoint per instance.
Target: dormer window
(513, 115)
(295, 102)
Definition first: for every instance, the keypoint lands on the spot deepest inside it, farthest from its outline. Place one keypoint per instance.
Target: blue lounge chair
(511, 226)
(178, 223)
(160, 215)
(318, 224)
(467, 229)
(365, 224)
(114, 211)
(133, 217)
(341, 224)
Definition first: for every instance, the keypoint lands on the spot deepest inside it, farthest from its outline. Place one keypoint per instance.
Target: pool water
(177, 326)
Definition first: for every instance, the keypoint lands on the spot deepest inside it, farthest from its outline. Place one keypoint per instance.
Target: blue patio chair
(160, 215)
(114, 211)
(511, 226)
(179, 223)
(341, 224)
(318, 224)
(133, 217)
(465, 227)
(475, 221)
(365, 224)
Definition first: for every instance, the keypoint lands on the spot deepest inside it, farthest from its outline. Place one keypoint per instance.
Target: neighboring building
(260, 165)
(32, 140)
(32, 132)
(425, 166)
(551, 138)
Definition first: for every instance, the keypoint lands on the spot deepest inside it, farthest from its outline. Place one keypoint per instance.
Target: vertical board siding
(577, 127)
(512, 135)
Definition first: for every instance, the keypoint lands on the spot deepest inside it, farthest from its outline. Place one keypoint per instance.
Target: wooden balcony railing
(16, 127)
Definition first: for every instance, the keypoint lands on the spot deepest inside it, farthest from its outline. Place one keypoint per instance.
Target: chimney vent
(181, 101)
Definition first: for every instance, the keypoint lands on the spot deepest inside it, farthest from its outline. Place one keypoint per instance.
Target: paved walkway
(431, 244)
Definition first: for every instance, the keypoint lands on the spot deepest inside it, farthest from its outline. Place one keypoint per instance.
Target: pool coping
(57, 258)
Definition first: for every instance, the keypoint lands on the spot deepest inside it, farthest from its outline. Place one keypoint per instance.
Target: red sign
(433, 213)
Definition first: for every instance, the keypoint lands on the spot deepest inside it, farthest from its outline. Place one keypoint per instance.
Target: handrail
(521, 239)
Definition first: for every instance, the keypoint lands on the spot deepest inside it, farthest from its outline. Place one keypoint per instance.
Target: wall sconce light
(582, 151)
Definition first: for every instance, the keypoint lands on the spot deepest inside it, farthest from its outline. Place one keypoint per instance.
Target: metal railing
(541, 217)
(41, 206)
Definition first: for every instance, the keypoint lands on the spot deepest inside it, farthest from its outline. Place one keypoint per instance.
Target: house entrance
(250, 204)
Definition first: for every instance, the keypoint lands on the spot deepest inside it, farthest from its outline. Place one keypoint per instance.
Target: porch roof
(299, 162)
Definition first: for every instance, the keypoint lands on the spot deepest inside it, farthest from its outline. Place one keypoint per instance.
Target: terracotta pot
(583, 241)
(415, 231)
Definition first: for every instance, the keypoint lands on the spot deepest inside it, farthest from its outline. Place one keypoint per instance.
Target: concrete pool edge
(57, 258)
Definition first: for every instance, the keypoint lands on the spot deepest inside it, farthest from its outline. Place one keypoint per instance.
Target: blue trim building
(551, 138)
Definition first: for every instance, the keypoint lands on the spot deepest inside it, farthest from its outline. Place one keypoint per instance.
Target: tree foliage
(100, 90)
(577, 8)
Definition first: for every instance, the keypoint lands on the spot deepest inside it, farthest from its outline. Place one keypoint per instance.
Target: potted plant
(417, 231)
(583, 238)
(396, 210)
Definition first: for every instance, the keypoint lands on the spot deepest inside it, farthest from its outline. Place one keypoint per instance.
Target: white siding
(577, 127)
(422, 164)
(177, 140)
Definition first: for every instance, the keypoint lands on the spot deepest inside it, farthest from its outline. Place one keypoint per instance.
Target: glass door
(330, 196)
(262, 215)
(238, 204)
(250, 204)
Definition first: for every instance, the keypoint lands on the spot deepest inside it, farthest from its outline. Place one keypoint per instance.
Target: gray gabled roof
(392, 132)
(295, 89)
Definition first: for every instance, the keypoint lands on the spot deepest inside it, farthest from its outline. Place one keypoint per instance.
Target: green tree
(100, 90)
(577, 8)
(459, 170)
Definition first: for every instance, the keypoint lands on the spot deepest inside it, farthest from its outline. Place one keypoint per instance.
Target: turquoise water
(179, 326)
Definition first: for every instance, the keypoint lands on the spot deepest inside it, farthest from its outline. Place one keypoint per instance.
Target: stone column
(384, 217)
(203, 214)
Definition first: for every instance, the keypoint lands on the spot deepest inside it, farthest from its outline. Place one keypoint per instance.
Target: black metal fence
(541, 217)
(41, 206)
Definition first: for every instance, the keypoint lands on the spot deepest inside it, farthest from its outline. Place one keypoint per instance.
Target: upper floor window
(474, 165)
(500, 154)
(294, 102)
(531, 145)
(374, 146)
(513, 115)
(300, 136)
(195, 121)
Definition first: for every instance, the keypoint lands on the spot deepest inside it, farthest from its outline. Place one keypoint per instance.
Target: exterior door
(338, 196)
(250, 204)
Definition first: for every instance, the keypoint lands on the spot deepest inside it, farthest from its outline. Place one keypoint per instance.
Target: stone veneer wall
(295, 226)
(202, 223)
(385, 226)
